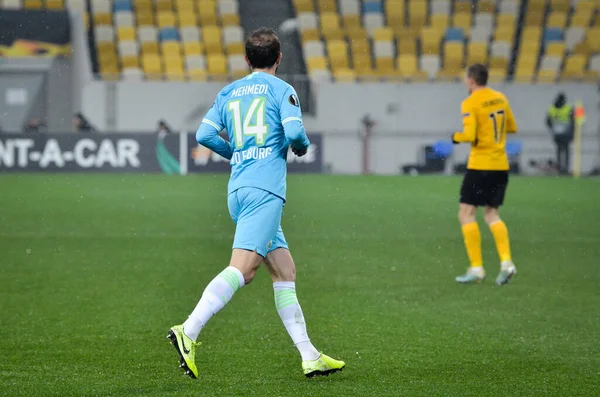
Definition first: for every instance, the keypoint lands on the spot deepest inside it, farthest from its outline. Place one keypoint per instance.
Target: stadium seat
(190, 33)
(553, 34)
(313, 48)
(409, 47)
(430, 64)
(308, 25)
(440, 7)
(316, 63)
(417, 14)
(477, 53)
(104, 33)
(372, 21)
(304, 6)
(384, 58)
(233, 38)
(337, 51)
(133, 74)
(430, 41)
(213, 43)
(497, 75)
(462, 20)
(373, 6)
(455, 34)
(12, 4)
(487, 6)
(582, 19)
(557, 20)
(440, 22)
(344, 75)
(192, 48)
(320, 76)
(152, 66)
(207, 14)
(556, 6)
(124, 18)
(350, 12)
(74, 5)
(195, 62)
(229, 12)
(574, 68)
(166, 19)
(480, 34)
(55, 4)
(573, 36)
(168, 34)
(484, 20)
(555, 49)
(509, 7)
(326, 6)
(395, 12)
(238, 66)
(217, 67)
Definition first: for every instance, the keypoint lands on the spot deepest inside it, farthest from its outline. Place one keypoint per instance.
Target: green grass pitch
(94, 269)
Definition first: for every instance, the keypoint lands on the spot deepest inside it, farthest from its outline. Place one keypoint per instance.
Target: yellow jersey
(487, 118)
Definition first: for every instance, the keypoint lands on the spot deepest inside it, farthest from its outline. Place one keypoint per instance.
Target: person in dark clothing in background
(163, 128)
(80, 124)
(561, 124)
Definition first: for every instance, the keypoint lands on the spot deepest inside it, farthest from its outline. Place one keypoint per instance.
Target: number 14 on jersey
(253, 121)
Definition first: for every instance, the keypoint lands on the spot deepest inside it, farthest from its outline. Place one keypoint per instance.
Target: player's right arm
(511, 123)
(469, 132)
(291, 119)
(208, 132)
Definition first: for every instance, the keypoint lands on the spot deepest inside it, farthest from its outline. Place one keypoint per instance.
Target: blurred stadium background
(378, 79)
(95, 268)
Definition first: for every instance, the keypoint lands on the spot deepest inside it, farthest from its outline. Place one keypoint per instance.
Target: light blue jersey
(262, 116)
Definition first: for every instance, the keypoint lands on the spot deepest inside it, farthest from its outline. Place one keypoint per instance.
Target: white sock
(290, 313)
(216, 295)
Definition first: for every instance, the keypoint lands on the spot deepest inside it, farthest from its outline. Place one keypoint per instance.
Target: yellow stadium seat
(207, 13)
(151, 64)
(529, 49)
(330, 20)
(235, 48)
(333, 34)
(477, 53)
(408, 69)
(531, 33)
(193, 48)
(32, 4)
(170, 49)
(230, 20)
(351, 21)
(534, 18)
(187, 19)
(106, 47)
(581, 19)
(504, 34)
(103, 19)
(555, 49)
(145, 18)
(559, 6)
(362, 62)
(589, 6)
(384, 66)
(498, 63)
(404, 33)
(344, 76)
(547, 76)
(143, 5)
(524, 75)
(430, 41)
(130, 61)
(356, 34)
(126, 33)
(360, 46)
(462, 20)
(383, 34)
(173, 62)
(217, 66)
(337, 50)
(536, 6)
(150, 48)
(440, 22)
(574, 67)
(212, 39)
(316, 63)
(304, 6)
(453, 55)
(166, 19)
(407, 47)
(417, 13)
(310, 35)
(497, 75)
(395, 12)
(55, 4)
(185, 6)
(582, 49)
(506, 21)
(197, 74)
(592, 39)
(326, 6)
(163, 5)
(557, 20)
(463, 6)
(486, 6)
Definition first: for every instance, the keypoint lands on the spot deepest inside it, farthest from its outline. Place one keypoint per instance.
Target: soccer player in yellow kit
(487, 118)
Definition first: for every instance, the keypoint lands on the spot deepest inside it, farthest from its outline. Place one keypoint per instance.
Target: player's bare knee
(281, 265)
(466, 214)
(491, 215)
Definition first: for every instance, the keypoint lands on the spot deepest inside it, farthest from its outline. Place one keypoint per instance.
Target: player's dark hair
(262, 48)
(478, 73)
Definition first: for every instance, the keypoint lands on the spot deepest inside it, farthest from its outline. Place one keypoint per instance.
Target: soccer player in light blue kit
(262, 116)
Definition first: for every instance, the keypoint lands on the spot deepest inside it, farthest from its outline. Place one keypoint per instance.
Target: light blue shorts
(257, 215)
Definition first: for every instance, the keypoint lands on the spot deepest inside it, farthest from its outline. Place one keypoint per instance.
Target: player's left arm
(208, 132)
(469, 132)
(291, 119)
(511, 123)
